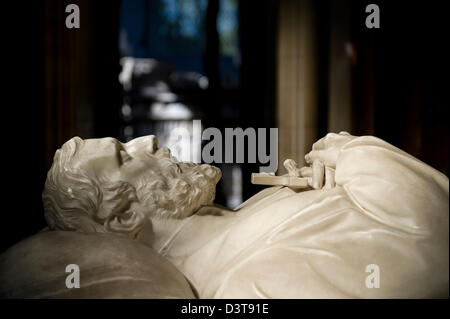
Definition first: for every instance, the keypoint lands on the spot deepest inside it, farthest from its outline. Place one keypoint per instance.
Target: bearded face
(177, 190)
(164, 187)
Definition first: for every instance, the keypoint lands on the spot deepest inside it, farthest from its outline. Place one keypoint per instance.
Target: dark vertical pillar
(258, 31)
(22, 121)
(105, 52)
(211, 62)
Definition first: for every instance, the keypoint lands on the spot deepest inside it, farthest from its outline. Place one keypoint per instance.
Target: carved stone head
(103, 185)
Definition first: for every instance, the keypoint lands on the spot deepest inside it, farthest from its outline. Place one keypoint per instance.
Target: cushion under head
(110, 266)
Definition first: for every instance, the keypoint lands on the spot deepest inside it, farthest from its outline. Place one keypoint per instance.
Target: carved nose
(163, 152)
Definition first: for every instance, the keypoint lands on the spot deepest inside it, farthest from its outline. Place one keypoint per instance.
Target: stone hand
(322, 160)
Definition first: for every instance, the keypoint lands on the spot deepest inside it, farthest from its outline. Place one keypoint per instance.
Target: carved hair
(74, 201)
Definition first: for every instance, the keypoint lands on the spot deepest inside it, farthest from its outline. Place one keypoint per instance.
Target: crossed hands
(322, 161)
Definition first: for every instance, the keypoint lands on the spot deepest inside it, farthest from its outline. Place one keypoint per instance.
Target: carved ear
(129, 222)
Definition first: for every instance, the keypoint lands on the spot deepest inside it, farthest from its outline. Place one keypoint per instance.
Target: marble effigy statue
(373, 222)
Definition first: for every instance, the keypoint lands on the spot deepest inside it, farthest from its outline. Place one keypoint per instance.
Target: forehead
(96, 150)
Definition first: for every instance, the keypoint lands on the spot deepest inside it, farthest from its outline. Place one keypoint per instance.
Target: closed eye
(124, 157)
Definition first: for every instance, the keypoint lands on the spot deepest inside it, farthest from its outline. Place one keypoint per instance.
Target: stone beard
(178, 190)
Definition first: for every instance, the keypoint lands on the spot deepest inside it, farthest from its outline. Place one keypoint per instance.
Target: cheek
(104, 169)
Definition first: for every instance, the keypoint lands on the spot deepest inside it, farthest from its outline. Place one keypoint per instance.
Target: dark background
(401, 86)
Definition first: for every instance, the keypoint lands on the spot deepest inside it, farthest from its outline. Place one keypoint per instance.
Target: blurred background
(138, 67)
